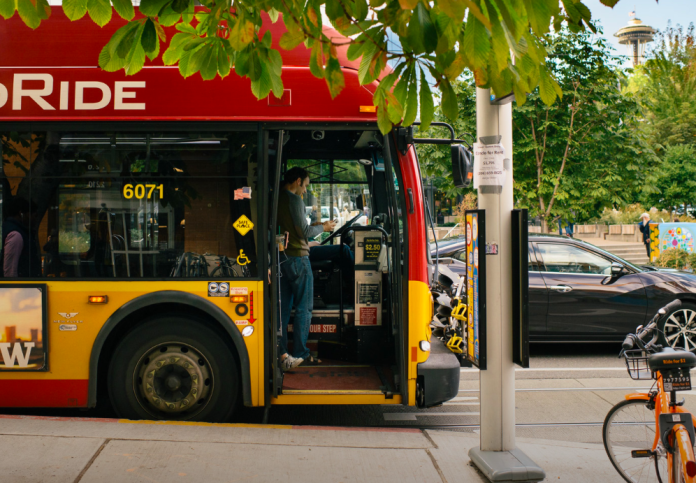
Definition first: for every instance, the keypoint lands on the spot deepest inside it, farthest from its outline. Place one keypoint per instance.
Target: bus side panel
(66, 382)
(45, 393)
(420, 306)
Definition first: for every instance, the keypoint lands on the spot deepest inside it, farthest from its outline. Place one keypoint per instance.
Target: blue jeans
(296, 290)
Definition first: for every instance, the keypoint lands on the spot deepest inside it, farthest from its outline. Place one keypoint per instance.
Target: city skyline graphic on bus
(21, 339)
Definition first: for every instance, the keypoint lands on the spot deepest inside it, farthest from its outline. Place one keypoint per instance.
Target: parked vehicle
(581, 293)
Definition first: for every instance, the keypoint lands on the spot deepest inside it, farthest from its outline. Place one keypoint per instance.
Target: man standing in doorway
(297, 282)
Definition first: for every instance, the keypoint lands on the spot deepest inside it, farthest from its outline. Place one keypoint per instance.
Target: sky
(650, 12)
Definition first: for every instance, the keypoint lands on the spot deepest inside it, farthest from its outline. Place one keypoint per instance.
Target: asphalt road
(564, 395)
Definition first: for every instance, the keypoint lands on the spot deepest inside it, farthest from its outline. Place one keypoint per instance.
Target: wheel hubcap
(173, 380)
(680, 330)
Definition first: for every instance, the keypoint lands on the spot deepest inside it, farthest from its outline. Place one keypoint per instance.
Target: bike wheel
(629, 426)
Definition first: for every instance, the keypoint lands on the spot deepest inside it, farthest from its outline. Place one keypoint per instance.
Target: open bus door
(274, 155)
(398, 272)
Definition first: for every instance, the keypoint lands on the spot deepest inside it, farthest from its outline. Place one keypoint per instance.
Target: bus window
(334, 187)
(144, 205)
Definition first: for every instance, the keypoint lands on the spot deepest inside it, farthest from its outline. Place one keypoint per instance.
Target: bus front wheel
(172, 368)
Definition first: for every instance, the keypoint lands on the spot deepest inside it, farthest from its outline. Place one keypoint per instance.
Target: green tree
(500, 41)
(435, 160)
(578, 156)
(675, 181)
(666, 88)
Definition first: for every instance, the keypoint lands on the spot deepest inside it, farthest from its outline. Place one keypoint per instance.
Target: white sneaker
(291, 362)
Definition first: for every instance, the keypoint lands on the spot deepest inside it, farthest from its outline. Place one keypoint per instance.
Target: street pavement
(561, 402)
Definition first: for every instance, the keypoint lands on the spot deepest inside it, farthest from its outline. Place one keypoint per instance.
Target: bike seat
(671, 360)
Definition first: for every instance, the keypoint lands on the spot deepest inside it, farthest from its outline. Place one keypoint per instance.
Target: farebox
(368, 279)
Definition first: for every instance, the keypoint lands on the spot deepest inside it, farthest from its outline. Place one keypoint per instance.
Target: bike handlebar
(648, 331)
(673, 305)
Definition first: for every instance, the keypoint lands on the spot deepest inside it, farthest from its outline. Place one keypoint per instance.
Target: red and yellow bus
(148, 205)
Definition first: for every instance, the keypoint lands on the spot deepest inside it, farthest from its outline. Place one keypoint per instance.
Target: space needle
(635, 35)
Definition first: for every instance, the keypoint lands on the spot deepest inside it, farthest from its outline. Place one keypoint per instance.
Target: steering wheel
(341, 230)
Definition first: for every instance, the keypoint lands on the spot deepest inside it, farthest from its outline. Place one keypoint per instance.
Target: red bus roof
(51, 73)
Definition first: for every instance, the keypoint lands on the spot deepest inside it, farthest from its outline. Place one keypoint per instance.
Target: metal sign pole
(497, 457)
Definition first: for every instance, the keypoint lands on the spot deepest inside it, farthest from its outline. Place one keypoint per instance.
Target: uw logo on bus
(72, 94)
(16, 356)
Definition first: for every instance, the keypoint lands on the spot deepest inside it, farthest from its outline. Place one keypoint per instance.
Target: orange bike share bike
(649, 437)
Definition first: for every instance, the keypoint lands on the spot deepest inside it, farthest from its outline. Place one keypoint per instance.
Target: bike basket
(637, 364)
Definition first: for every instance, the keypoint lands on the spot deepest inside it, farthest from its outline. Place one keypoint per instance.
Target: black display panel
(520, 288)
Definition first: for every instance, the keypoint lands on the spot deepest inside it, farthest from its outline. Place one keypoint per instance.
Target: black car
(581, 293)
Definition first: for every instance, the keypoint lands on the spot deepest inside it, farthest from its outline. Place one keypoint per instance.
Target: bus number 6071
(139, 191)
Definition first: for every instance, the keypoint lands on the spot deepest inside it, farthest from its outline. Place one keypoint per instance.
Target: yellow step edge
(337, 391)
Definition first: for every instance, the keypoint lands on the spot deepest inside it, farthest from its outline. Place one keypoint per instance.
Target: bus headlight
(248, 330)
(424, 346)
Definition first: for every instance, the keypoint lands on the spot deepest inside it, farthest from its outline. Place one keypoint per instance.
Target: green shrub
(675, 258)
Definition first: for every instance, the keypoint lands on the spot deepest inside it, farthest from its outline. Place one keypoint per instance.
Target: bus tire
(173, 368)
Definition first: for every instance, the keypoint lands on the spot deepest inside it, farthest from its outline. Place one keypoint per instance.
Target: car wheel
(678, 329)
(173, 368)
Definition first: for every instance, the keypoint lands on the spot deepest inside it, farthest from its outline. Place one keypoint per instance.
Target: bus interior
(356, 327)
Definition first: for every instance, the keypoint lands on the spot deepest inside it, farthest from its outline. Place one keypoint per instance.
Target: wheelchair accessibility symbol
(242, 259)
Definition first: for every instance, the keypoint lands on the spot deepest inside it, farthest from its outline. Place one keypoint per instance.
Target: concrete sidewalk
(45, 449)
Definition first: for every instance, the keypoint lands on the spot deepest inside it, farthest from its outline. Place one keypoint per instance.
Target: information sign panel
(476, 287)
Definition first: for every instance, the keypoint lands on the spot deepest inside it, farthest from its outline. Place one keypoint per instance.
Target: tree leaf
(427, 107)
(176, 48)
(456, 68)
(149, 37)
(8, 8)
(450, 105)
(109, 60)
(126, 43)
(152, 8)
(401, 89)
(262, 86)
(539, 13)
(124, 8)
(360, 11)
(276, 62)
(334, 77)
(477, 44)
(99, 11)
(168, 16)
(209, 61)
(242, 34)
(421, 30)
(291, 39)
(383, 122)
(180, 6)
(28, 13)
(548, 88)
(411, 110)
(316, 63)
(135, 60)
(43, 9)
(408, 4)
(182, 27)
(454, 9)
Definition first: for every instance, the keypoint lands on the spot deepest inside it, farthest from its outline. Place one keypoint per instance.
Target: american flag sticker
(242, 193)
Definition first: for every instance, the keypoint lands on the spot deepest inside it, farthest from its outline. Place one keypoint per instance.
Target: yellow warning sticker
(243, 225)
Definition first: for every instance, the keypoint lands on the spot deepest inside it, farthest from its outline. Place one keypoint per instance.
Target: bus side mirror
(462, 166)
